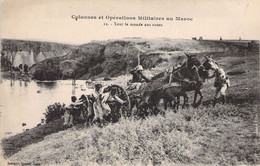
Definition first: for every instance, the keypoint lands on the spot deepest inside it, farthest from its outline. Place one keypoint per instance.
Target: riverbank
(16, 75)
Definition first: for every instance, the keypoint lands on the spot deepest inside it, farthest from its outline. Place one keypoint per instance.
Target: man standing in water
(25, 67)
(21, 69)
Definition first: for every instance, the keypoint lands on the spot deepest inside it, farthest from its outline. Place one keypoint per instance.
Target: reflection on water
(25, 102)
(48, 85)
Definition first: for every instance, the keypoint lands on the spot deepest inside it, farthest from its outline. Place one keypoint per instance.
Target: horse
(193, 77)
(169, 93)
(161, 89)
(153, 92)
(210, 64)
(189, 77)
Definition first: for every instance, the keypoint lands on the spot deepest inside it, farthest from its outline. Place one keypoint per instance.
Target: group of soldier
(100, 101)
(94, 107)
(23, 69)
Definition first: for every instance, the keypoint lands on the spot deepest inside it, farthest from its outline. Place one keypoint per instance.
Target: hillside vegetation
(116, 57)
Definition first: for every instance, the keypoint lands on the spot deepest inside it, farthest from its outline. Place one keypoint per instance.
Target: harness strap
(179, 75)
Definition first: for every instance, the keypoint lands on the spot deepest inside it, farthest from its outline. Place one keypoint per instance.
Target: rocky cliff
(98, 59)
(30, 52)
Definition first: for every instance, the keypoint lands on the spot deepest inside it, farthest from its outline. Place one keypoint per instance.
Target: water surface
(25, 102)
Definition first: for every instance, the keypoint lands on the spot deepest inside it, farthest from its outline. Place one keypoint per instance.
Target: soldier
(138, 81)
(97, 105)
(138, 76)
(21, 69)
(221, 84)
(71, 112)
(25, 67)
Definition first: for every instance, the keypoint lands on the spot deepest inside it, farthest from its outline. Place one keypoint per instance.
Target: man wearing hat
(138, 81)
(138, 75)
(221, 84)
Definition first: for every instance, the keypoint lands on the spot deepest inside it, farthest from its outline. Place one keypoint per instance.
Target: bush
(49, 74)
(170, 48)
(96, 70)
(115, 68)
(54, 111)
(236, 72)
(5, 63)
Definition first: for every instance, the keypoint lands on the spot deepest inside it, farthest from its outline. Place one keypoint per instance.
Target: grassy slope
(220, 135)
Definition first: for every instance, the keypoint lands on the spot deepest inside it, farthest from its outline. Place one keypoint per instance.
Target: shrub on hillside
(169, 48)
(96, 70)
(5, 63)
(54, 111)
(43, 74)
(236, 72)
(115, 68)
(90, 65)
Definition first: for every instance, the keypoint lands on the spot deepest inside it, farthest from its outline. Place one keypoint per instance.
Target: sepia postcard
(129, 82)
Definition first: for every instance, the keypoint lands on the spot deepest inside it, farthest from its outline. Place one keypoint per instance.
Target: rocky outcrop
(31, 52)
(107, 58)
(68, 68)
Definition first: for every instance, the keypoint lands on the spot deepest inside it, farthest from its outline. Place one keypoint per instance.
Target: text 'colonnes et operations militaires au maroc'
(144, 18)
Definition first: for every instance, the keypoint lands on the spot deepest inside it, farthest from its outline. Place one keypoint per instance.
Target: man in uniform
(138, 81)
(138, 76)
(221, 84)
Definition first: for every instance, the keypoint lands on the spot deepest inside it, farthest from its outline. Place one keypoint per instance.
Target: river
(25, 102)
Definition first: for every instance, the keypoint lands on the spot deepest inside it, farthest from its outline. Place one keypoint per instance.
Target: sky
(51, 20)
